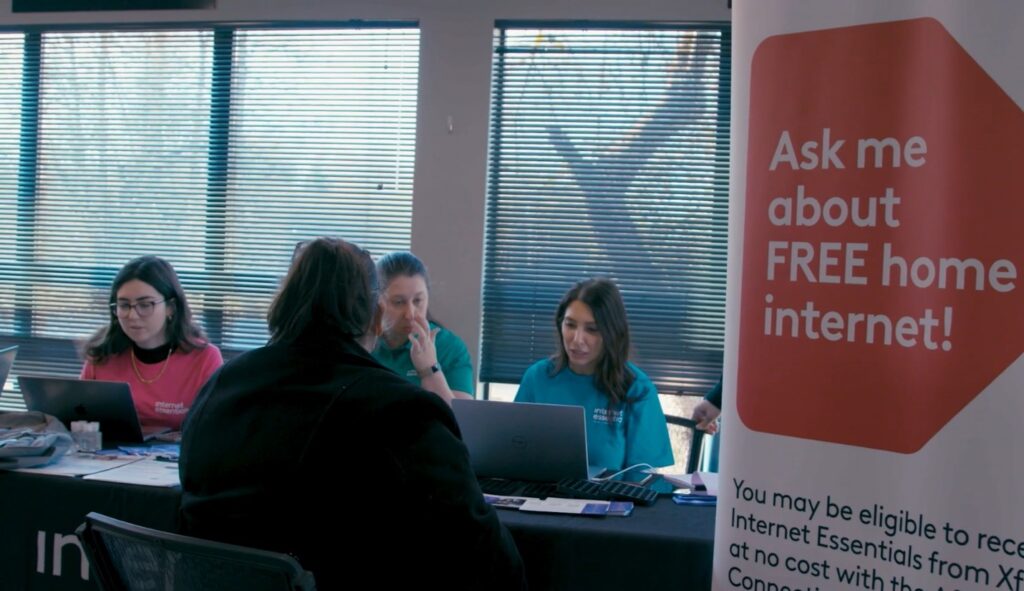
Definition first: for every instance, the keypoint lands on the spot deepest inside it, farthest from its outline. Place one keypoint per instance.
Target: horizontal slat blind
(348, 103)
(11, 56)
(609, 156)
(215, 148)
(123, 127)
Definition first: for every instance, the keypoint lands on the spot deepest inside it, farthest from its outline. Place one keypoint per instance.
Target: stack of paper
(565, 506)
(699, 482)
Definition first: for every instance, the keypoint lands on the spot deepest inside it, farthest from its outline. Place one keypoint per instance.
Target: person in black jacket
(308, 445)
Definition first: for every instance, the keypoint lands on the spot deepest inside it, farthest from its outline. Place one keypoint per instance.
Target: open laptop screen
(109, 403)
(524, 441)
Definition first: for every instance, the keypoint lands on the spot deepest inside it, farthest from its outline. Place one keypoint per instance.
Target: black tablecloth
(665, 546)
(660, 547)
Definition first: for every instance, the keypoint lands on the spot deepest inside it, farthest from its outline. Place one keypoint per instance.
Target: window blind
(217, 148)
(609, 156)
(11, 55)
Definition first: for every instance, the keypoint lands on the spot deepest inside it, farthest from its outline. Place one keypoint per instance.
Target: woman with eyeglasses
(591, 368)
(412, 344)
(152, 343)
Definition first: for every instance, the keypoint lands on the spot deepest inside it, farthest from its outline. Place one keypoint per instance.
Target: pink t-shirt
(166, 401)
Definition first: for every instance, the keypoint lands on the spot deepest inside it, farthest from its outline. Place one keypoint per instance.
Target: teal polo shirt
(452, 356)
(618, 435)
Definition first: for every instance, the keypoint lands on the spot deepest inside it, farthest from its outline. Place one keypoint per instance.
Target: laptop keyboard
(611, 489)
(517, 488)
(570, 488)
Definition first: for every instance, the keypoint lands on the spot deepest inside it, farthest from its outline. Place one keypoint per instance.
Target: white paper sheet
(708, 479)
(82, 464)
(147, 472)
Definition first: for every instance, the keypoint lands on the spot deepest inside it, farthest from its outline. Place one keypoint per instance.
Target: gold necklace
(138, 374)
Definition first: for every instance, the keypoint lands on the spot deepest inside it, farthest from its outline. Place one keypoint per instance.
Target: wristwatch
(429, 371)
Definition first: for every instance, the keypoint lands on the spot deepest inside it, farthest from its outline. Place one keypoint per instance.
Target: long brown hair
(182, 332)
(331, 288)
(612, 376)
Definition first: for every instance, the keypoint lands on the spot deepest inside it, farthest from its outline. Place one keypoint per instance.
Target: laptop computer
(109, 403)
(525, 441)
(7, 355)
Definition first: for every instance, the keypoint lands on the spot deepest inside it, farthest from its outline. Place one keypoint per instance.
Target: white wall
(451, 168)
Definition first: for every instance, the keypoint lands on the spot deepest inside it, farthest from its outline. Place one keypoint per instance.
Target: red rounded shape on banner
(882, 242)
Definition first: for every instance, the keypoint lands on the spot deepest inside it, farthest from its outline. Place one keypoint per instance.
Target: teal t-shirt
(617, 435)
(452, 356)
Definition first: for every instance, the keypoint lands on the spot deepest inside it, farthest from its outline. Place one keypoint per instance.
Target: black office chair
(128, 557)
(696, 441)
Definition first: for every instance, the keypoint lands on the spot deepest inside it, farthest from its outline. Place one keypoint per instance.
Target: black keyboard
(609, 490)
(516, 488)
(500, 486)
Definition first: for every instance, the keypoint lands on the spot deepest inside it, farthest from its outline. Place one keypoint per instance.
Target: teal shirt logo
(604, 415)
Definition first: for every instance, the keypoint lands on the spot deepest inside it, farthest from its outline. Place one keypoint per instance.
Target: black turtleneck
(151, 356)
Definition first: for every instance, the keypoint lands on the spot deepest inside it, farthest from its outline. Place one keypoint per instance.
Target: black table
(663, 546)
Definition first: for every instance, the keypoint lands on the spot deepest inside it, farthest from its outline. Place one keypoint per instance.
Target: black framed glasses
(143, 309)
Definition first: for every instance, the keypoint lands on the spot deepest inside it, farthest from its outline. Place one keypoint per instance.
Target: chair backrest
(696, 440)
(127, 557)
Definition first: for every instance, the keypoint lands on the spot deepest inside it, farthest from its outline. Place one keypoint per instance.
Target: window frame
(41, 355)
(706, 365)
